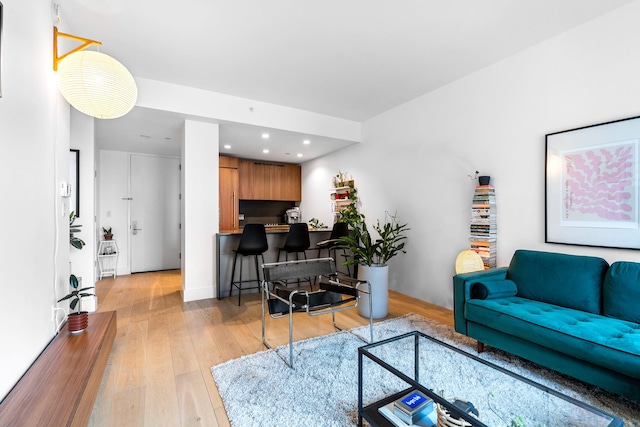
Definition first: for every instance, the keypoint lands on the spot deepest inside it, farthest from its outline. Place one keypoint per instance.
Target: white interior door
(155, 213)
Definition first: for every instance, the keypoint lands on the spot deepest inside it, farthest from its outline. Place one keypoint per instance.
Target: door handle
(135, 228)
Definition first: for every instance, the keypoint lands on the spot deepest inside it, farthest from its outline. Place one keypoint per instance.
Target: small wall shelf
(108, 258)
(342, 197)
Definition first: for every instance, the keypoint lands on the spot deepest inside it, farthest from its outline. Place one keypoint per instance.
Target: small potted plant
(108, 235)
(77, 321)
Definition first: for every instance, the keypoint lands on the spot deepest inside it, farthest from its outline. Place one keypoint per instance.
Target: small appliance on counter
(293, 215)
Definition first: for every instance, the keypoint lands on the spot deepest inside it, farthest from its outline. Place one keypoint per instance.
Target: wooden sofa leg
(480, 347)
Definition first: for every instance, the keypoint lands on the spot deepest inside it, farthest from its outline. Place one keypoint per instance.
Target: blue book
(412, 406)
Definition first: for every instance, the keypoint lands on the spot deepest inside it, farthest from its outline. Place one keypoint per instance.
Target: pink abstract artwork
(599, 186)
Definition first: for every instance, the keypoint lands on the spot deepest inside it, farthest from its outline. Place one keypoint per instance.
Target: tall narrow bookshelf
(483, 232)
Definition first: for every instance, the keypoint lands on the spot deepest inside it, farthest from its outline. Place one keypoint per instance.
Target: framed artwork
(591, 185)
(74, 180)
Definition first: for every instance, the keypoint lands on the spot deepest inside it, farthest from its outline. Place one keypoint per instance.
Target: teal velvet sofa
(573, 314)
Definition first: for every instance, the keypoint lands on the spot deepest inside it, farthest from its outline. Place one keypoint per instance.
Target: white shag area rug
(261, 390)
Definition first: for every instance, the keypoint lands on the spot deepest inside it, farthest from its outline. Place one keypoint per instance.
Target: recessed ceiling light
(265, 136)
(299, 154)
(265, 151)
(227, 146)
(306, 142)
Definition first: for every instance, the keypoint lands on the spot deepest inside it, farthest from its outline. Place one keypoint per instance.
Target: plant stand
(108, 258)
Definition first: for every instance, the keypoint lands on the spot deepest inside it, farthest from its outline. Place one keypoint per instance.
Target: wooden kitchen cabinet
(269, 181)
(254, 180)
(228, 179)
(228, 162)
(292, 188)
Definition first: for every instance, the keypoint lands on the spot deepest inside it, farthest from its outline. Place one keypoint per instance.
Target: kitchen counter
(271, 229)
(227, 241)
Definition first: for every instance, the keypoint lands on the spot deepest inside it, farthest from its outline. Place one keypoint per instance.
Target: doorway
(154, 213)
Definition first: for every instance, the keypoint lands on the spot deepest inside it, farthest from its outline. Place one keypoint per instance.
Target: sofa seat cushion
(604, 341)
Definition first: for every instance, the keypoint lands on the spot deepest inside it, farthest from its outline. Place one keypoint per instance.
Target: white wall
(34, 139)
(415, 158)
(82, 138)
(199, 209)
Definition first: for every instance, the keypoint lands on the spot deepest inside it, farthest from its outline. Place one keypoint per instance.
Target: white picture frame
(591, 185)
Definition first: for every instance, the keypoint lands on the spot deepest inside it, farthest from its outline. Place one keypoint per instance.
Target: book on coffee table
(412, 406)
(428, 420)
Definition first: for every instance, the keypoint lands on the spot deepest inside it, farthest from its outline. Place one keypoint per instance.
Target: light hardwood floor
(159, 369)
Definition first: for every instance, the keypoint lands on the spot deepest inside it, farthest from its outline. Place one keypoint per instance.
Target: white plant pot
(378, 278)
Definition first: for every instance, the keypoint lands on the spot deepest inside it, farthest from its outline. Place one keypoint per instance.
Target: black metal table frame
(370, 412)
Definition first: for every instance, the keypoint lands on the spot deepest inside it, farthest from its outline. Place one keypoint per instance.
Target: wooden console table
(61, 386)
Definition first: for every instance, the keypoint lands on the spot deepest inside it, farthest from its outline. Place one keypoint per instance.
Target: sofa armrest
(462, 292)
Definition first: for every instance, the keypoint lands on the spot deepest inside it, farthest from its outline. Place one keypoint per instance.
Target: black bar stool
(253, 242)
(339, 229)
(297, 242)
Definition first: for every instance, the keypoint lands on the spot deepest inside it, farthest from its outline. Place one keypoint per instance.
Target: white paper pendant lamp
(97, 84)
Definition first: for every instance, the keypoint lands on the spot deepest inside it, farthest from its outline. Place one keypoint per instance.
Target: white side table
(107, 258)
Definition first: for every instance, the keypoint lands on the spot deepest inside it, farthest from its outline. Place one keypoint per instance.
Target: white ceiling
(351, 59)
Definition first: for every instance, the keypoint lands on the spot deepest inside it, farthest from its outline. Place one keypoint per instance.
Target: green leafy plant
(392, 239)
(76, 294)
(74, 228)
(367, 250)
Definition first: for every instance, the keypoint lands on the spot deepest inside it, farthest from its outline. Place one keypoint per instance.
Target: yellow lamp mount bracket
(85, 44)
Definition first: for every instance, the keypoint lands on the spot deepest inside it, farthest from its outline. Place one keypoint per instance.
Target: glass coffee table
(415, 361)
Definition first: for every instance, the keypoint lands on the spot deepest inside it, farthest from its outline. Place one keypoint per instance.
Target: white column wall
(415, 158)
(82, 138)
(199, 209)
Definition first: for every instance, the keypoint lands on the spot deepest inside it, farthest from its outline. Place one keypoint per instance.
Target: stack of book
(413, 409)
(483, 232)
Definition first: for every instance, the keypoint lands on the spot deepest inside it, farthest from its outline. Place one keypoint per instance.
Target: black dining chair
(253, 242)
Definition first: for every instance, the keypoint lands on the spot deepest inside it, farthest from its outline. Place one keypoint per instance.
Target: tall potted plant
(77, 321)
(372, 255)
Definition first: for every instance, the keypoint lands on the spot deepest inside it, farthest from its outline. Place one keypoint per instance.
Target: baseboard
(197, 294)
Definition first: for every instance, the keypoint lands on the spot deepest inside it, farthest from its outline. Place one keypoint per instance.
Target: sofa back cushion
(570, 281)
(621, 292)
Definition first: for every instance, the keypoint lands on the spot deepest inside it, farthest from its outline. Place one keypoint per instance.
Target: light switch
(108, 214)
(65, 189)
